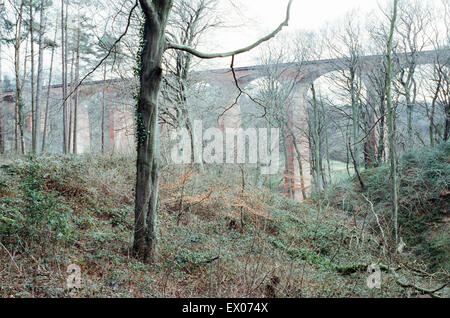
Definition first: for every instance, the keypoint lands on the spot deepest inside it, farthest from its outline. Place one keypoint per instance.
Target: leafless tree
(188, 23)
(154, 44)
(345, 44)
(412, 26)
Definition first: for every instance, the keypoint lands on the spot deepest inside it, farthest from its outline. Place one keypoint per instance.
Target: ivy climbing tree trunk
(150, 75)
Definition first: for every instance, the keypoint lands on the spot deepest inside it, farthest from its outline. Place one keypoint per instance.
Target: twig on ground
(12, 258)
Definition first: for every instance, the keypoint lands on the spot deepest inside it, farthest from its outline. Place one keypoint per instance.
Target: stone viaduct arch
(298, 173)
(120, 122)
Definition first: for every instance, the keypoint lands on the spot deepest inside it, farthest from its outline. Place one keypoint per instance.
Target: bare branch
(236, 52)
(107, 54)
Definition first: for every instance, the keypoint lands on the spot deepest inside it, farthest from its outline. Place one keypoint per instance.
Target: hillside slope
(219, 237)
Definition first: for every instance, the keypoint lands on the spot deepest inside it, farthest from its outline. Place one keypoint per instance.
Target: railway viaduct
(120, 132)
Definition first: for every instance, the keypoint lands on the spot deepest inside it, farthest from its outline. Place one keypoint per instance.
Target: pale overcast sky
(259, 17)
(252, 19)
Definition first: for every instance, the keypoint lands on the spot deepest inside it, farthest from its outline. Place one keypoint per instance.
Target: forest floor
(219, 236)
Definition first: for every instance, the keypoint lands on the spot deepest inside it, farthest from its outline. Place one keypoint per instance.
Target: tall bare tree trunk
(37, 126)
(103, 109)
(64, 73)
(76, 95)
(33, 106)
(447, 121)
(300, 166)
(391, 127)
(327, 146)
(289, 170)
(433, 107)
(19, 126)
(381, 140)
(318, 173)
(70, 102)
(355, 114)
(2, 133)
(49, 85)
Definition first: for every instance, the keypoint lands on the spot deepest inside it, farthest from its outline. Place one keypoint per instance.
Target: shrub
(36, 215)
(424, 178)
